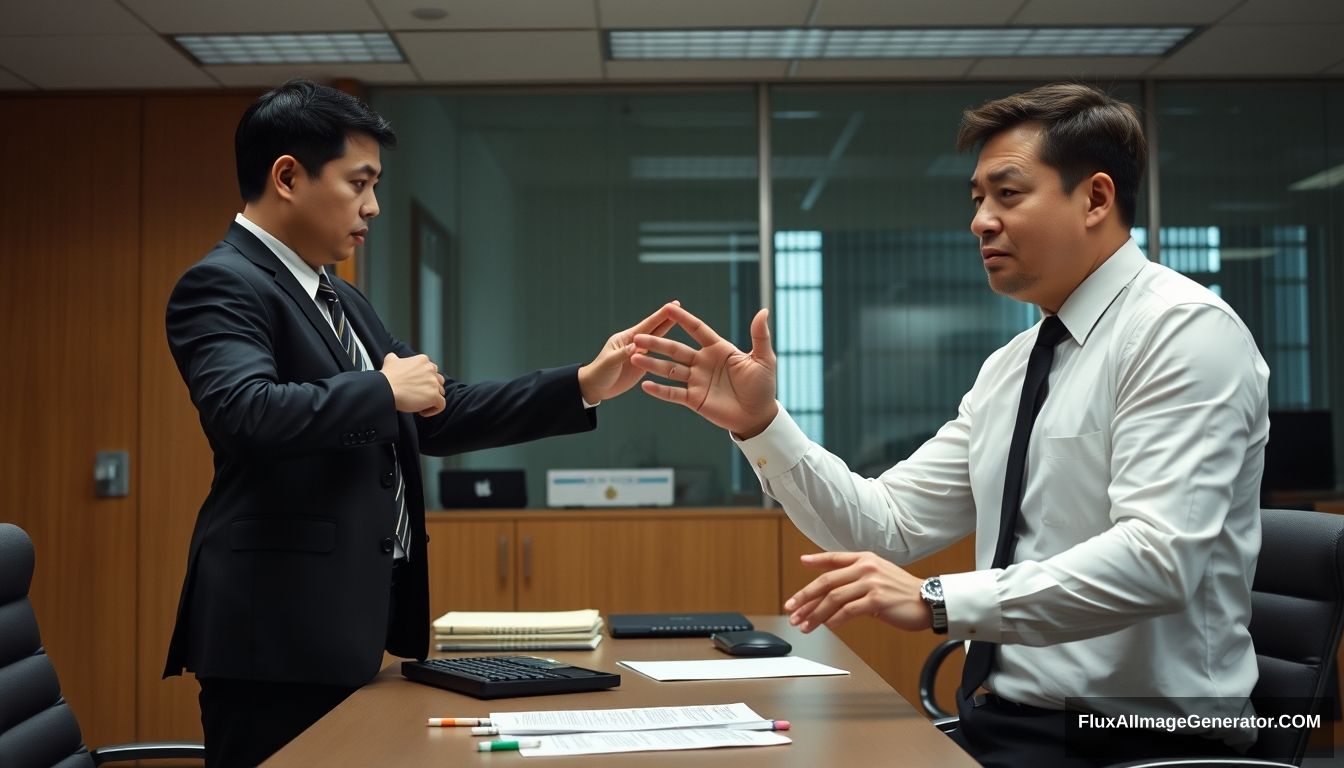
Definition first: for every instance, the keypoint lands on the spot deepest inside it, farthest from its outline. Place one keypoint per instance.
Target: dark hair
(303, 119)
(1086, 131)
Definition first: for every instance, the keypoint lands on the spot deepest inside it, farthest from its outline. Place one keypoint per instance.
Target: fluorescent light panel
(907, 43)
(303, 48)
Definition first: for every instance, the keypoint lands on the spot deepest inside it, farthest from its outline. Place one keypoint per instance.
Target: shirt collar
(305, 274)
(1090, 300)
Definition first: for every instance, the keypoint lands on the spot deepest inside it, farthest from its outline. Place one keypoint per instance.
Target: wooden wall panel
(190, 196)
(896, 655)
(68, 309)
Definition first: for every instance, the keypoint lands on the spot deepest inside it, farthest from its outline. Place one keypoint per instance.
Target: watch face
(932, 589)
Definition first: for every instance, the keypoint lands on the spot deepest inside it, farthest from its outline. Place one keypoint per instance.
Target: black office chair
(37, 727)
(1297, 614)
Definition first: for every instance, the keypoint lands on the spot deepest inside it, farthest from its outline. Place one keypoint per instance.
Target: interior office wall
(189, 197)
(1251, 206)
(69, 305)
(114, 198)
(576, 215)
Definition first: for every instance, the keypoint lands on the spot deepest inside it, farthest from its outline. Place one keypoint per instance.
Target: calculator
(500, 677)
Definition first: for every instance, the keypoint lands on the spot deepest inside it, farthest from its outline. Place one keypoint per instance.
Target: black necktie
(347, 336)
(980, 656)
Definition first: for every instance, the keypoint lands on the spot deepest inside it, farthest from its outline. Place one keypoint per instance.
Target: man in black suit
(308, 558)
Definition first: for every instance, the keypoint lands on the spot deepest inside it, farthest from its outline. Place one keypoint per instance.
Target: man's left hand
(858, 584)
(611, 372)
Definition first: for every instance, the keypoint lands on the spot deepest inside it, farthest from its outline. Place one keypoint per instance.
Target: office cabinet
(635, 565)
(618, 561)
(470, 566)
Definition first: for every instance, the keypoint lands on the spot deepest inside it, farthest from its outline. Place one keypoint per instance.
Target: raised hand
(611, 372)
(730, 388)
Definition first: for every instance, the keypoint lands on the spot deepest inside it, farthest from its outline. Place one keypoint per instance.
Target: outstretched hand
(611, 372)
(728, 387)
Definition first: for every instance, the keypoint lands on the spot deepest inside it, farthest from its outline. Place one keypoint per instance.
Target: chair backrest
(1297, 613)
(37, 727)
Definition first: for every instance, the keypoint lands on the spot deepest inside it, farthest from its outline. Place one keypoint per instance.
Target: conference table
(853, 720)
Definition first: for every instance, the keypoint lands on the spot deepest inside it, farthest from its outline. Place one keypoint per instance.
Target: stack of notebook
(518, 630)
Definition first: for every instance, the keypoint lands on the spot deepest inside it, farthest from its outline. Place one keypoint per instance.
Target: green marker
(506, 746)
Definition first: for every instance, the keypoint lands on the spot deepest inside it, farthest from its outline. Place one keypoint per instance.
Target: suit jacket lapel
(257, 252)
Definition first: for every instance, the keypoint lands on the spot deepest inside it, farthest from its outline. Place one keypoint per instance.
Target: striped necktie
(346, 335)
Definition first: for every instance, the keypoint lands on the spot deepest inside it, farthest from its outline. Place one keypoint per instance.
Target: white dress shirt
(1139, 529)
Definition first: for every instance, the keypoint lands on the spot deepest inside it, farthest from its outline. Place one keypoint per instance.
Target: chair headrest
(16, 563)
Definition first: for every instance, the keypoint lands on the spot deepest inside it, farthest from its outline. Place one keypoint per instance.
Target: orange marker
(444, 722)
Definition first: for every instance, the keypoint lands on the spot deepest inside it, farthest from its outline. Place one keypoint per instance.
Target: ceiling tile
(691, 71)
(1287, 49)
(1130, 12)
(11, 82)
(1292, 11)
(490, 14)
(183, 16)
(100, 61)
(1062, 67)
(1337, 69)
(267, 75)
(686, 14)
(69, 17)
(463, 57)
(915, 13)
(885, 69)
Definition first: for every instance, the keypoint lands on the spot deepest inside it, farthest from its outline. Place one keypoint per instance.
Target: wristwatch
(932, 592)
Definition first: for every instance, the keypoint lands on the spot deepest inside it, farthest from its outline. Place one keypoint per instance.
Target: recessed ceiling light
(429, 14)
(297, 48)
(892, 43)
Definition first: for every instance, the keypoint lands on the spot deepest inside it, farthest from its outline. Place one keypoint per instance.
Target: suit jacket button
(387, 544)
(388, 479)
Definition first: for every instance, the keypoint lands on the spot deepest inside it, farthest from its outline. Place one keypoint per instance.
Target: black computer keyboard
(498, 677)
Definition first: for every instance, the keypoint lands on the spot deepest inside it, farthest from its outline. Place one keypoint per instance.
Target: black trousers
(247, 721)
(1001, 734)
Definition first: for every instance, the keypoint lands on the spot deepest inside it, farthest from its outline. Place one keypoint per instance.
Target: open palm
(728, 387)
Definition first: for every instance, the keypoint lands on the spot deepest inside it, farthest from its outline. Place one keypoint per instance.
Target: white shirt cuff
(972, 602)
(587, 404)
(776, 450)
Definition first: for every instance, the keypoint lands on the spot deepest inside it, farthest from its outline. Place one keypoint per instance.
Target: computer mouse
(751, 643)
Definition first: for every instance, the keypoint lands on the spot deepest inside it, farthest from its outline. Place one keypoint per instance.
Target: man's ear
(1100, 188)
(284, 172)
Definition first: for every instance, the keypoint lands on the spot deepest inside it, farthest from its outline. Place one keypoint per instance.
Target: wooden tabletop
(856, 719)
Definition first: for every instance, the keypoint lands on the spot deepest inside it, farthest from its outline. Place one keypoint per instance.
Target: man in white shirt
(1133, 418)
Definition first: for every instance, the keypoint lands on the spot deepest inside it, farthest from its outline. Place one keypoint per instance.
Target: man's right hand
(727, 386)
(417, 385)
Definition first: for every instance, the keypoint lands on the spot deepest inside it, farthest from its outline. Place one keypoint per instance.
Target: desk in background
(856, 719)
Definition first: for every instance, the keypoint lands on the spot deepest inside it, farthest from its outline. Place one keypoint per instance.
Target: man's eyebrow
(369, 170)
(1006, 172)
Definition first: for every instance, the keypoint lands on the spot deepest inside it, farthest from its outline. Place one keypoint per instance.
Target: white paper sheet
(731, 669)
(652, 741)
(634, 719)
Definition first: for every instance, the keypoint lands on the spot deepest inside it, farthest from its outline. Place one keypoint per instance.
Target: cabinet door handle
(503, 561)
(527, 560)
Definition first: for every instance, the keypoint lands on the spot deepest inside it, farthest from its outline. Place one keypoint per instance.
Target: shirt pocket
(1076, 478)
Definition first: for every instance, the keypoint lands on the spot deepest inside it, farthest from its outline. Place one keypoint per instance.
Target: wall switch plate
(111, 474)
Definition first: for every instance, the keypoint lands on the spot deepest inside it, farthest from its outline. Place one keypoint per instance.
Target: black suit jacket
(289, 571)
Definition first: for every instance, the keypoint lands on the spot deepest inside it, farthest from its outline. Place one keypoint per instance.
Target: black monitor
(1301, 452)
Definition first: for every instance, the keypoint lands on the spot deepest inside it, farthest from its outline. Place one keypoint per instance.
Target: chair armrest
(1204, 762)
(947, 724)
(115, 753)
(929, 673)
